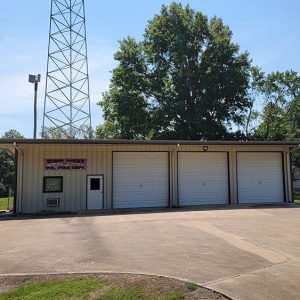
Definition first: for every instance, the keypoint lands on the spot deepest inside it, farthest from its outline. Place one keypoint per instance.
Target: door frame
(86, 190)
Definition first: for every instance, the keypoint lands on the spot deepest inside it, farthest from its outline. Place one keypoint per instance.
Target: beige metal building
(80, 175)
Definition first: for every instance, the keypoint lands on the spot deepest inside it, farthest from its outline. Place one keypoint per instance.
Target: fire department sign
(65, 164)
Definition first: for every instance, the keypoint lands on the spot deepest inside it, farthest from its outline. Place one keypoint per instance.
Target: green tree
(280, 118)
(251, 119)
(185, 80)
(125, 105)
(7, 165)
(6, 172)
(12, 134)
(84, 132)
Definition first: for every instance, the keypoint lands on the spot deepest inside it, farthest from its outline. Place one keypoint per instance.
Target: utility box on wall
(53, 202)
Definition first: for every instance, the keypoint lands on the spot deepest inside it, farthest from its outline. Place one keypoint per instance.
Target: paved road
(249, 253)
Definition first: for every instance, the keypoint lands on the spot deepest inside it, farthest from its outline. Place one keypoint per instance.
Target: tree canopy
(280, 118)
(185, 80)
(85, 132)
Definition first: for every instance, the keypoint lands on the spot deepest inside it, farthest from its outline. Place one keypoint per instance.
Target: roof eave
(145, 142)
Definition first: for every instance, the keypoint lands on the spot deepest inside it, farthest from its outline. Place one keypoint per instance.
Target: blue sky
(268, 29)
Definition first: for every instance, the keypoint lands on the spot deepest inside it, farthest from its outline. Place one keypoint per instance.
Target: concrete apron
(245, 254)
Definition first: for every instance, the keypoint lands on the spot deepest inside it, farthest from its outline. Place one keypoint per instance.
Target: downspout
(16, 190)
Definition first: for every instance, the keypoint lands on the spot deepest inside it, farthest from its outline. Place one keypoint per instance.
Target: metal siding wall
(39, 178)
(73, 197)
(26, 198)
(288, 179)
(99, 161)
(20, 182)
(172, 177)
(233, 177)
(175, 177)
(108, 181)
(28, 183)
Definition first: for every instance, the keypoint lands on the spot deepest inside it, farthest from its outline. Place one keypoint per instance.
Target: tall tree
(7, 165)
(185, 80)
(280, 118)
(251, 119)
(126, 110)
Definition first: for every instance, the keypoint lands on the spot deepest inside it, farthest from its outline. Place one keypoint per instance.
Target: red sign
(65, 164)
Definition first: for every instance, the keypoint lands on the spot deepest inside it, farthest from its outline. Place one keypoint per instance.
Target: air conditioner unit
(53, 202)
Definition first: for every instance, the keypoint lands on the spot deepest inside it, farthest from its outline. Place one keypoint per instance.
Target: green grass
(296, 197)
(87, 289)
(192, 286)
(4, 203)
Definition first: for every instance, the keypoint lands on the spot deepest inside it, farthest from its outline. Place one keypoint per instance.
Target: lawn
(4, 203)
(296, 196)
(95, 288)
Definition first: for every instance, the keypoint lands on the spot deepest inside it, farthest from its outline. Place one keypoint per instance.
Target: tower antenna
(67, 111)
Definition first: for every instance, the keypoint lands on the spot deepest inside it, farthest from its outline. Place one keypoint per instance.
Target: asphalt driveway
(249, 253)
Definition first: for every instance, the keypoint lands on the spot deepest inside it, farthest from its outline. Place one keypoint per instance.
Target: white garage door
(260, 177)
(202, 178)
(140, 179)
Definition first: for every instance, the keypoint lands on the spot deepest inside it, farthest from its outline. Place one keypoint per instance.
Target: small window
(53, 184)
(95, 184)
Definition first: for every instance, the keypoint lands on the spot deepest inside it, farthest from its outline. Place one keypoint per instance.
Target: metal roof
(145, 142)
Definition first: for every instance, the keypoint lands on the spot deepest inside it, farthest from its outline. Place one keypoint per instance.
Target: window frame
(53, 192)
(98, 184)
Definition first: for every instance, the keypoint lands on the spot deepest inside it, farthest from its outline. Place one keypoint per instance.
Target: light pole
(35, 79)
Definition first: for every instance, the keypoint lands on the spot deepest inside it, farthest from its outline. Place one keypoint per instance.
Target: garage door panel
(260, 177)
(140, 179)
(202, 178)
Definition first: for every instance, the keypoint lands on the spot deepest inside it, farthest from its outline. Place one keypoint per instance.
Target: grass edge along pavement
(102, 286)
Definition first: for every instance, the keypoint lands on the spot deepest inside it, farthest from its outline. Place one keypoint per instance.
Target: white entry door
(95, 192)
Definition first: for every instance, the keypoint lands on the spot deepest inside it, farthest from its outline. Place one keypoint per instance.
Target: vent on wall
(53, 202)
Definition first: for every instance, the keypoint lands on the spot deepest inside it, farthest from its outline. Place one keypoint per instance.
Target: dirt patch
(161, 285)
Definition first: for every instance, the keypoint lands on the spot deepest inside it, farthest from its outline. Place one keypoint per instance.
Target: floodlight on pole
(35, 79)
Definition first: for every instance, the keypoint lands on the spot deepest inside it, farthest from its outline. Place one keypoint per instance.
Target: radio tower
(67, 112)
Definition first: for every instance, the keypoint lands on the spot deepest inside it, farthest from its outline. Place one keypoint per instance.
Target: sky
(268, 29)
